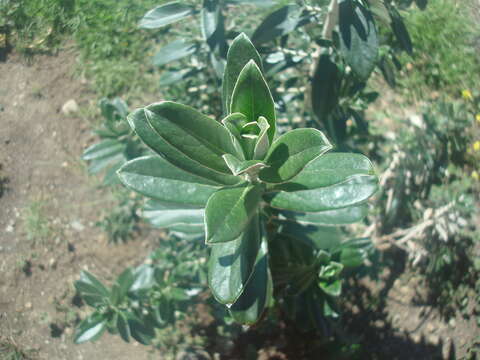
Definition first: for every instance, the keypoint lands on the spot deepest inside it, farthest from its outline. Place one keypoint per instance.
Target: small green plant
(116, 145)
(10, 350)
(36, 223)
(268, 207)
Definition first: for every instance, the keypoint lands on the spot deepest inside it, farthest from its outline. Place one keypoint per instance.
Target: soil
(40, 150)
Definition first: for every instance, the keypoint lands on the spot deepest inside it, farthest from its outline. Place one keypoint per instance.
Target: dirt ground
(40, 150)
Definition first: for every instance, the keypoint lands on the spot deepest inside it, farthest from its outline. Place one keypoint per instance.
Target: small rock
(77, 225)
(70, 107)
(28, 305)
(416, 338)
(452, 322)
(9, 228)
(52, 263)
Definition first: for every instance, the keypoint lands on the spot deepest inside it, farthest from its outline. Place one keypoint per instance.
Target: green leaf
(140, 331)
(212, 25)
(229, 210)
(144, 278)
(161, 214)
(325, 86)
(90, 287)
(358, 37)
(239, 167)
(278, 23)
(351, 257)
(123, 327)
(327, 170)
(353, 191)
(252, 98)
(195, 135)
(233, 123)
(125, 281)
(241, 51)
(172, 77)
(400, 30)
(138, 121)
(331, 288)
(90, 329)
(164, 15)
(325, 238)
(104, 149)
(231, 264)
(174, 51)
(250, 306)
(291, 152)
(335, 217)
(155, 177)
(262, 3)
(263, 143)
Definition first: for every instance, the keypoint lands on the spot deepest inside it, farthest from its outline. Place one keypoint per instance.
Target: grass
(446, 45)
(36, 224)
(10, 350)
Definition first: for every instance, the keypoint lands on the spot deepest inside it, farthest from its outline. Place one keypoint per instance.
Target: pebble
(70, 107)
(434, 339)
(28, 305)
(77, 225)
(452, 322)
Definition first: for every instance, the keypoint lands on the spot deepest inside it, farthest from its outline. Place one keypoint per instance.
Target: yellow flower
(476, 146)
(475, 175)
(477, 117)
(467, 94)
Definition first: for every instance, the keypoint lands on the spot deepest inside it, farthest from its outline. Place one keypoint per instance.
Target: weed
(36, 223)
(10, 350)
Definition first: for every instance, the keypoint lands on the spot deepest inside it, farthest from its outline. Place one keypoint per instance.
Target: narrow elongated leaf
(162, 214)
(123, 327)
(229, 211)
(278, 23)
(352, 191)
(335, 217)
(195, 135)
(103, 149)
(250, 306)
(251, 97)
(325, 86)
(125, 281)
(89, 285)
(231, 264)
(291, 152)
(174, 51)
(358, 37)
(241, 51)
(400, 30)
(213, 27)
(155, 177)
(138, 121)
(164, 15)
(90, 329)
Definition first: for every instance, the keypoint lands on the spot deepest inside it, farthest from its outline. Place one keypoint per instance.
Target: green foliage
(10, 350)
(39, 32)
(152, 296)
(445, 49)
(236, 215)
(36, 223)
